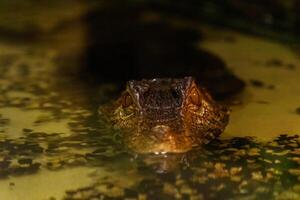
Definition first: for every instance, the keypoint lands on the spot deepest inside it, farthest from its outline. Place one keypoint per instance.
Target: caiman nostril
(161, 129)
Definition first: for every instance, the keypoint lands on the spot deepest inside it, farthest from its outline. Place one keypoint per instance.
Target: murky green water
(53, 145)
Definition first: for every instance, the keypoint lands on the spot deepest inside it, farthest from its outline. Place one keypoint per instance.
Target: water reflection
(237, 167)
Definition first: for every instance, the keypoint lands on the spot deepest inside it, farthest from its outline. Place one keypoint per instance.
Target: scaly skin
(166, 115)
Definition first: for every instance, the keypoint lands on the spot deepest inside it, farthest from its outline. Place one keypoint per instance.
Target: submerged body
(166, 115)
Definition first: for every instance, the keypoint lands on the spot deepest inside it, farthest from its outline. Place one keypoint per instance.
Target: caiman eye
(127, 100)
(195, 97)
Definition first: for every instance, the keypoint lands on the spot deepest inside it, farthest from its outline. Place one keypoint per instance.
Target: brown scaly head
(167, 115)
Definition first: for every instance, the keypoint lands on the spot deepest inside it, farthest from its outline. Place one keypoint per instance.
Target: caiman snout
(167, 115)
(161, 129)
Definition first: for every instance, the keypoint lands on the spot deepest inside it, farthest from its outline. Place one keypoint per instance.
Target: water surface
(54, 146)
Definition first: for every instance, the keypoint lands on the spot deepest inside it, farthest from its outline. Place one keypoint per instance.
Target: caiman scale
(166, 115)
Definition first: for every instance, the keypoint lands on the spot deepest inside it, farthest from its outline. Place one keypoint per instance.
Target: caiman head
(167, 115)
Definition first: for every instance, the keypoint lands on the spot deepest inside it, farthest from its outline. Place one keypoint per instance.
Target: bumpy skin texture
(166, 115)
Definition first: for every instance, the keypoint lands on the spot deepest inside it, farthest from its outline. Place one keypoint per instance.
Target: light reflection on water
(53, 144)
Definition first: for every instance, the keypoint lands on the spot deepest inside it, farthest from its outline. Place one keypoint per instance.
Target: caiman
(166, 115)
